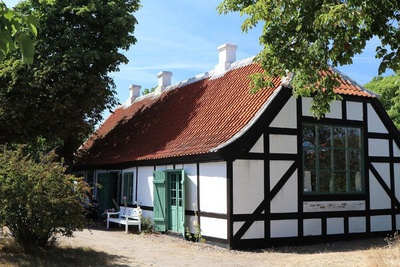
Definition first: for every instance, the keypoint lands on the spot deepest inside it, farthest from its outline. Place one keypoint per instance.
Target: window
(332, 159)
(127, 188)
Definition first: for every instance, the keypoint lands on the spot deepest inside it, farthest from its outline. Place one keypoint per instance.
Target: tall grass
(388, 255)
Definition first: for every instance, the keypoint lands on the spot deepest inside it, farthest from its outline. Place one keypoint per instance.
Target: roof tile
(192, 118)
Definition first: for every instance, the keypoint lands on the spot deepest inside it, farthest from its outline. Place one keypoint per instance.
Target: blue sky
(182, 36)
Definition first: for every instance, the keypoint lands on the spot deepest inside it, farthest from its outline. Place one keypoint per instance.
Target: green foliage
(12, 34)
(62, 95)
(309, 36)
(147, 225)
(388, 88)
(39, 201)
(197, 236)
(148, 91)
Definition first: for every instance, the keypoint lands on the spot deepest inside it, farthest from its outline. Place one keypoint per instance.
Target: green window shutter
(160, 199)
(182, 217)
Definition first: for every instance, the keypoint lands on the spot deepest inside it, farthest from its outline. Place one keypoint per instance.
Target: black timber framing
(239, 149)
(300, 215)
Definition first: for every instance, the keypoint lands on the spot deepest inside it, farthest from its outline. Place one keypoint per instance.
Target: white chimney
(226, 56)
(164, 80)
(134, 92)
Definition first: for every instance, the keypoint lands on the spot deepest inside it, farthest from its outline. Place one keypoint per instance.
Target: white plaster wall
(286, 118)
(354, 111)
(248, 185)
(306, 104)
(256, 230)
(179, 167)
(284, 228)
(397, 179)
(375, 124)
(214, 227)
(378, 197)
(397, 221)
(278, 168)
(312, 227)
(335, 226)
(190, 186)
(336, 110)
(384, 171)
(258, 146)
(396, 150)
(378, 147)
(381, 223)
(357, 225)
(161, 168)
(190, 223)
(213, 191)
(280, 143)
(145, 186)
(286, 199)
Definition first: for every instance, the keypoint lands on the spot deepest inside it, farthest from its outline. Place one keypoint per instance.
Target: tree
(61, 96)
(388, 88)
(148, 91)
(41, 201)
(11, 35)
(309, 36)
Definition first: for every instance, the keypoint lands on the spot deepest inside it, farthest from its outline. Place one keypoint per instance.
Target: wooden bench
(127, 216)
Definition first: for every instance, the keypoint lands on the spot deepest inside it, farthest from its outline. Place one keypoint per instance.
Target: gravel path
(162, 250)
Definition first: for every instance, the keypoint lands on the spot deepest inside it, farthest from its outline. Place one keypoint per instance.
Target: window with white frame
(127, 188)
(332, 159)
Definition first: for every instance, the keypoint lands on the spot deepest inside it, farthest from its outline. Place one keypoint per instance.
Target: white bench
(127, 216)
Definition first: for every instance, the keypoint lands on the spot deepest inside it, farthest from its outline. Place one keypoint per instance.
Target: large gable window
(332, 159)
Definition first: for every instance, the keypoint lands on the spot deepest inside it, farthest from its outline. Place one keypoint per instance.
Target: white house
(258, 169)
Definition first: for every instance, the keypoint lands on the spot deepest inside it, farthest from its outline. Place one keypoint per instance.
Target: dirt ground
(134, 249)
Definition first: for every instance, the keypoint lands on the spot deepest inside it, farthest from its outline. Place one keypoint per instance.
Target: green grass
(11, 255)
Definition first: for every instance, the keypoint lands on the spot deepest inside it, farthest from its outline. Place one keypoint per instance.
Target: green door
(169, 201)
(108, 190)
(176, 202)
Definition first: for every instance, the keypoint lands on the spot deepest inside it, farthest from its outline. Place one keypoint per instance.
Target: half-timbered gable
(255, 170)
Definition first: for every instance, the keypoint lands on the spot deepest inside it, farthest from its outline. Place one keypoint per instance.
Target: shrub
(38, 200)
(147, 225)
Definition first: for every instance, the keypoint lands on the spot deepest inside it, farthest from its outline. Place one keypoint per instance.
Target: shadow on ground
(56, 256)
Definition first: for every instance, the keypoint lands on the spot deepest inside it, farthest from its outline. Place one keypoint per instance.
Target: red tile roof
(188, 120)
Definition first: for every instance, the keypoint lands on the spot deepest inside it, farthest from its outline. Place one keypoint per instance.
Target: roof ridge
(204, 75)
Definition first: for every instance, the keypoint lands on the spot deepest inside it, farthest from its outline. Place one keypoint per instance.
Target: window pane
(325, 159)
(332, 159)
(325, 185)
(324, 135)
(339, 158)
(310, 181)
(308, 136)
(309, 159)
(354, 137)
(127, 188)
(340, 182)
(356, 184)
(339, 137)
(355, 160)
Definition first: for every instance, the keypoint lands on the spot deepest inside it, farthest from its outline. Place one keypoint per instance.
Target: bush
(147, 225)
(38, 200)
